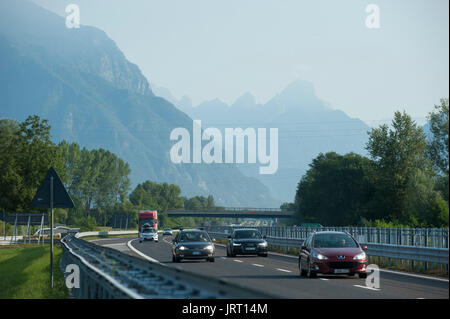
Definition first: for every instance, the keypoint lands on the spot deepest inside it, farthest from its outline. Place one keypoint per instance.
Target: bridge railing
(236, 209)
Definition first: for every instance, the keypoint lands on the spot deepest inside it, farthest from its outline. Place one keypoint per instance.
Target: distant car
(148, 233)
(167, 232)
(246, 242)
(192, 244)
(328, 252)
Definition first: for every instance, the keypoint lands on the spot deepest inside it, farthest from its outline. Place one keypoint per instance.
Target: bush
(85, 224)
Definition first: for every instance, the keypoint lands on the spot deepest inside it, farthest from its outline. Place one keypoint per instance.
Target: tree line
(403, 182)
(97, 180)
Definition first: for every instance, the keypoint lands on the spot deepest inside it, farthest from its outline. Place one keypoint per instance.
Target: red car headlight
(360, 256)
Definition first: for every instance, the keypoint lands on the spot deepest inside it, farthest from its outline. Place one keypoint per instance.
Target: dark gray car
(246, 242)
(192, 244)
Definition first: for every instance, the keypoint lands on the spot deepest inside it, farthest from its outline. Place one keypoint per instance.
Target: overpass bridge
(232, 212)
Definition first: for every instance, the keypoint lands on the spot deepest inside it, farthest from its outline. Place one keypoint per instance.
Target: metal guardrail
(109, 273)
(413, 253)
(106, 233)
(426, 237)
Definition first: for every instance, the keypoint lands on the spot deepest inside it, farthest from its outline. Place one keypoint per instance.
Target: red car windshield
(333, 241)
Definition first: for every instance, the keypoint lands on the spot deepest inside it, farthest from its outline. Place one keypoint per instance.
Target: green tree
(438, 146)
(160, 197)
(335, 190)
(426, 207)
(97, 180)
(398, 153)
(199, 202)
(27, 154)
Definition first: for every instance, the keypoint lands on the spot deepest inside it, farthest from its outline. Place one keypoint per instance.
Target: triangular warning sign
(61, 198)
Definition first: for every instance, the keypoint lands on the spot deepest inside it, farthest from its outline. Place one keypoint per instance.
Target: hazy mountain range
(306, 126)
(83, 84)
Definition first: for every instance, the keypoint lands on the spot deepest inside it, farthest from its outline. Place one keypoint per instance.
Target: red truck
(147, 217)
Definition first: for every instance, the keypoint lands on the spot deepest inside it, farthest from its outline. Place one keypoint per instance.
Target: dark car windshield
(246, 234)
(194, 236)
(333, 241)
(148, 230)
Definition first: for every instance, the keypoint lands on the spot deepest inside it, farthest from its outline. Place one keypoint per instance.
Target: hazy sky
(210, 49)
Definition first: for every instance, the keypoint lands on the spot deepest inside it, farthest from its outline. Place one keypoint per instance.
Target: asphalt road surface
(278, 274)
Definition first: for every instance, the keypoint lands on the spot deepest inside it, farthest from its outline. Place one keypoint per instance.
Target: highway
(278, 274)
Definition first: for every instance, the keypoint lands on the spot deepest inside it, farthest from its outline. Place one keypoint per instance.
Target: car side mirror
(229, 236)
(364, 247)
(264, 236)
(303, 247)
(174, 241)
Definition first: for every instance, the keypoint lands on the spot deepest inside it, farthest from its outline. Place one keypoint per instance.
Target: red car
(330, 252)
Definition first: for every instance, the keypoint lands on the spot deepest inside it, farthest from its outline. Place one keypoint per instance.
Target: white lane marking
(283, 270)
(142, 254)
(420, 298)
(223, 257)
(238, 261)
(257, 265)
(413, 275)
(324, 279)
(365, 287)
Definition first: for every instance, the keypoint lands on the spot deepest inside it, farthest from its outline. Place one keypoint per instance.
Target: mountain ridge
(93, 96)
(306, 126)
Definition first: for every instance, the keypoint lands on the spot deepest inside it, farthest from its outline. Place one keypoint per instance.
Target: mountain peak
(245, 100)
(215, 103)
(298, 88)
(185, 102)
(298, 95)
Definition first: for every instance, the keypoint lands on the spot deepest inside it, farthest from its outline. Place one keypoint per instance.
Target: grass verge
(24, 272)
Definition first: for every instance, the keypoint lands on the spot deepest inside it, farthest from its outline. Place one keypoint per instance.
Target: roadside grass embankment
(24, 272)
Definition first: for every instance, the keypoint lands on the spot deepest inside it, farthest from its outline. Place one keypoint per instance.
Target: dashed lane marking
(280, 269)
(365, 287)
